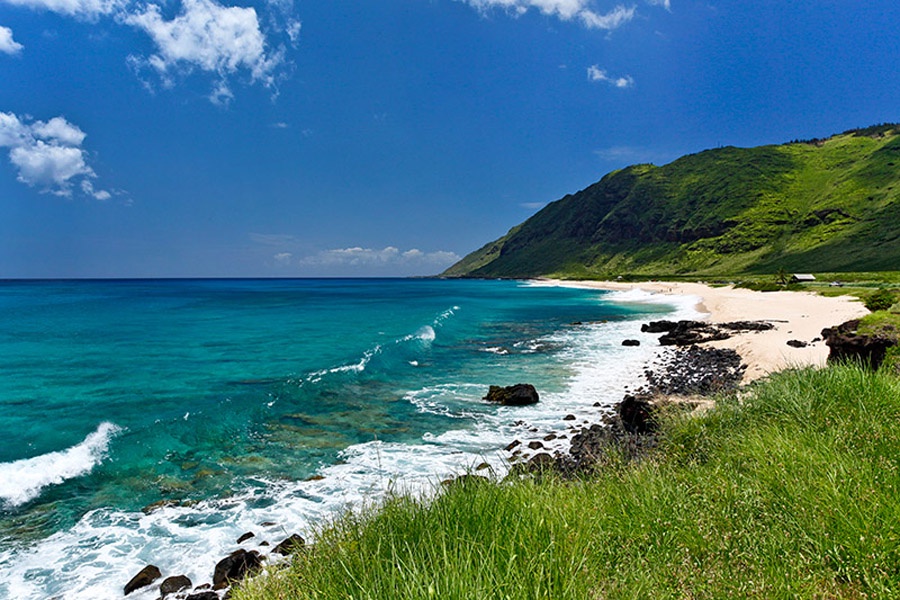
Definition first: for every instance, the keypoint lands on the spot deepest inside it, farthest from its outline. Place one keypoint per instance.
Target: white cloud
(218, 39)
(283, 258)
(664, 3)
(7, 44)
(225, 41)
(85, 9)
(293, 30)
(386, 257)
(595, 73)
(48, 155)
(566, 10)
(60, 130)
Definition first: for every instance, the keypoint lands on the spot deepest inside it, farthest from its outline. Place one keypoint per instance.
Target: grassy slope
(831, 205)
(791, 494)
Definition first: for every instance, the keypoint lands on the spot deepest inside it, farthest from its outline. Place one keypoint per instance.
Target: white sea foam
(106, 548)
(23, 480)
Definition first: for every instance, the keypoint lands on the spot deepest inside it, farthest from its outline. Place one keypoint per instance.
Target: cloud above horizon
(595, 73)
(48, 155)
(565, 10)
(218, 39)
(7, 44)
(387, 257)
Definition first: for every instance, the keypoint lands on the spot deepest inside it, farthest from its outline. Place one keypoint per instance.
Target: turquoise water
(223, 398)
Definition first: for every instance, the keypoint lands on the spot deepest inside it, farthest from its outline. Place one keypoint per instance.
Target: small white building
(802, 278)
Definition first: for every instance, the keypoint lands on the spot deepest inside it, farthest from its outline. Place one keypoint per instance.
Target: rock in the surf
(246, 537)
(520, 394)
(145, 577)
(175, 584)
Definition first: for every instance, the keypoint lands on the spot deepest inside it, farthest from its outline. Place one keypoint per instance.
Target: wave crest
(23, 480)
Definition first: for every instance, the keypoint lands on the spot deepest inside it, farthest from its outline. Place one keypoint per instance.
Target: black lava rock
(172, 585)
(145, 577)
(520, 394)
(290, 545)
(235, 567)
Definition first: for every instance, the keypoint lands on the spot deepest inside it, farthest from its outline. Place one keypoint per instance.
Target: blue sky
(173, 138)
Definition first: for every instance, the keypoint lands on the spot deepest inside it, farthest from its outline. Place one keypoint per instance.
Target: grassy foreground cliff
(791, 492)
(817, 205)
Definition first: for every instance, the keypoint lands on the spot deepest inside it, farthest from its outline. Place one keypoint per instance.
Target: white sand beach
(796, 316)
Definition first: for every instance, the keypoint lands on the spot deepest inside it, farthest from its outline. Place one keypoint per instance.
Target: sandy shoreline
(796, 316)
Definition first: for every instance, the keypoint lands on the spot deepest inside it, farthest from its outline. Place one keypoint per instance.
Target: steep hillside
(816, 205)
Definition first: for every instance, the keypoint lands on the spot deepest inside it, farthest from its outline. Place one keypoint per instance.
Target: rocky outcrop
(235, 567)
(686, 333)
(631, 431)
(520, 394)
(846, 343)
(696, 370)
(145, 577)
(631, 342)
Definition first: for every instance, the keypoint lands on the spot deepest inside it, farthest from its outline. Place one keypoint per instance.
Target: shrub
(881, 299)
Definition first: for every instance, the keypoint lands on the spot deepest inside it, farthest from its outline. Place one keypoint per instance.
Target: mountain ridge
(829, 204)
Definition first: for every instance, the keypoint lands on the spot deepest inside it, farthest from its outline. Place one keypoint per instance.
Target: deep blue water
(115, 395)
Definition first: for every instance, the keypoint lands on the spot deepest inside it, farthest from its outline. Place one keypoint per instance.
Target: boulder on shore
(235, 567)
(520, 394)
(290, 545)
(637, 414)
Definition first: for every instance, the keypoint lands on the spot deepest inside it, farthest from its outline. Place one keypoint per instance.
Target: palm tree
(781, 276)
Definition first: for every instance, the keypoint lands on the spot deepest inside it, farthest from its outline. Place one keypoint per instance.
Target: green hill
(816, 205)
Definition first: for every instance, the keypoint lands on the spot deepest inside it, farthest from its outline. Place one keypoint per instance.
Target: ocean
(155, 421)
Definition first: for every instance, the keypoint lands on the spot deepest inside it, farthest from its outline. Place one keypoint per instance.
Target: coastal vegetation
(814, 205)
(788, 488)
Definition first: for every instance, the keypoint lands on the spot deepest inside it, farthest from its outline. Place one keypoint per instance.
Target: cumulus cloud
(84, 9)
(595, 73)
(566, 10)
(7, 44)
(223, 40)
(48, 155)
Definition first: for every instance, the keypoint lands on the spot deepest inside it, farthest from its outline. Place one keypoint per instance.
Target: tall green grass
(790, 491)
